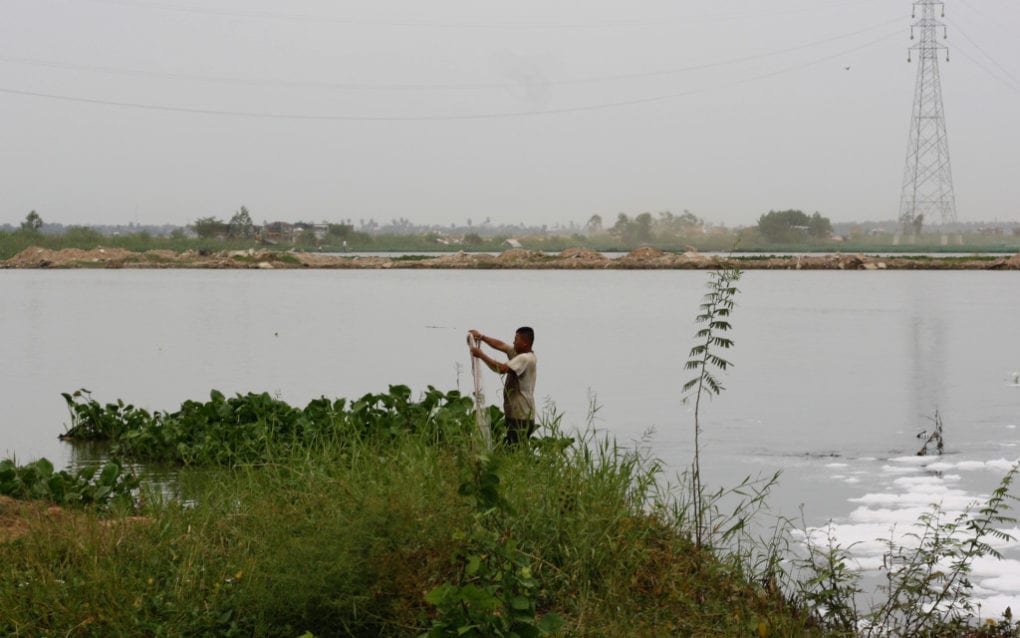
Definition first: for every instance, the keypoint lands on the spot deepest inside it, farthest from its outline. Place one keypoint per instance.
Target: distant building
(512, 243)
(277, 232)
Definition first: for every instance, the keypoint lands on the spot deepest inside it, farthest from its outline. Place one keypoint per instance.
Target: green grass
(345, 536)
(384, 517)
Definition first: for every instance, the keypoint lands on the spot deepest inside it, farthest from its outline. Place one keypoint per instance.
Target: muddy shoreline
(569, 259)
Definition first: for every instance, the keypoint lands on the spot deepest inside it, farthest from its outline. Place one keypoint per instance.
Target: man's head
(524, 339)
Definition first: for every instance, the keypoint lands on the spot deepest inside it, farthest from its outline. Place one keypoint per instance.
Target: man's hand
(476, 352)
(475, 334)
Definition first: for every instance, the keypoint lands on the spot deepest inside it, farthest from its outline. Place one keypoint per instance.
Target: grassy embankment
(340, 518)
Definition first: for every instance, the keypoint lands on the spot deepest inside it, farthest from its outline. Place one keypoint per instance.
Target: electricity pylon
(927, 179)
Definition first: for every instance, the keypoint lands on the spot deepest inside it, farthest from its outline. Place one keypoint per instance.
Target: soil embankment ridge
(517, 258)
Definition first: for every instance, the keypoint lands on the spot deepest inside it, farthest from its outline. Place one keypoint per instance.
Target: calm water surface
(835, 372)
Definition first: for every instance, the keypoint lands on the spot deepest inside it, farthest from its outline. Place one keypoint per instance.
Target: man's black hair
(527, 333)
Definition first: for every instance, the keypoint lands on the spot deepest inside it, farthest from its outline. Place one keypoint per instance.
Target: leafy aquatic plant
(254, 427)
(91, 421)
(109, 485)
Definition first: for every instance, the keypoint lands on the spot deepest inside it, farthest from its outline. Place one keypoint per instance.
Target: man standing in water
(519, 383)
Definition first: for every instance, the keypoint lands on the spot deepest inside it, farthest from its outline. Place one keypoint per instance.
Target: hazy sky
(535, 111)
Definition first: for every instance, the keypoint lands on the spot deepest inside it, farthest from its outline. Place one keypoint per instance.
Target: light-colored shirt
(519, 386)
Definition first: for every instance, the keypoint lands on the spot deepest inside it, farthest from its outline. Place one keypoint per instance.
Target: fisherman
(519, 382)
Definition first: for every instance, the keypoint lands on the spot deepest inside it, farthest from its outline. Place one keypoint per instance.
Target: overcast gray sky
(535, 111)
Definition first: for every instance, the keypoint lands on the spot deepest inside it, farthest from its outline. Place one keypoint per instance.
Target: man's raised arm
(496, 344)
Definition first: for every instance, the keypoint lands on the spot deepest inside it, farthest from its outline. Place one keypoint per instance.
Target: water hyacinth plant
(253, 427)
(108, 485)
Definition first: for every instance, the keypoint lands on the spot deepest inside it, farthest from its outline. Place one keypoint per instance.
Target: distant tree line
(791, 226)
(646, 228)
(664, 230)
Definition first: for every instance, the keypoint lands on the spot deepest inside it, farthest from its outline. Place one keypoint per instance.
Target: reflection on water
(927, 341)
(85, 453)
(157, 479)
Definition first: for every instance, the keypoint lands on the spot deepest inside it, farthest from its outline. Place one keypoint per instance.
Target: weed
(496, 589)
(715, 311)
(934, 439)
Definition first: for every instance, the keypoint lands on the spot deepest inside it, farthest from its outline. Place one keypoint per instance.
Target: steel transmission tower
(927, 179)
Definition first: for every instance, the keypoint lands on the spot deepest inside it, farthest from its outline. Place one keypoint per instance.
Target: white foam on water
(912, 485)
(911, 460)
(996, 575)
(906, 503)
(887, 517)
(999, 466)
(895, 469)
(852, 479)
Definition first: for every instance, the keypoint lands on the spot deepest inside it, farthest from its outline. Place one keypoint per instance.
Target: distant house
(277, 232)
(308, 234)
(512, 243)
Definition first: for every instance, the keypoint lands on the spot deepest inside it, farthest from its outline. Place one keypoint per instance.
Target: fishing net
(481, 414)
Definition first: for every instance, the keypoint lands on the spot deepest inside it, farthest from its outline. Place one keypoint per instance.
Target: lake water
(835, 372)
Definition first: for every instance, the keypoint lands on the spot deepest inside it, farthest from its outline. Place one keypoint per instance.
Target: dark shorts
(518, 430)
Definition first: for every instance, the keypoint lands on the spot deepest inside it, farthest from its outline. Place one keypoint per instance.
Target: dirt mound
(645, 252)
(459, 259)
(35, 257)
(18, 517)
(31, 257)
(161, 255)
(647, 257)
(14, 516)
(582, 253)
(520, 254)
(12, 521)
(316, 260)
(570, 258)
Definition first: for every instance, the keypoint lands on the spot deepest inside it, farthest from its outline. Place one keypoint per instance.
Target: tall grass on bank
(366, 536)
(349, 537)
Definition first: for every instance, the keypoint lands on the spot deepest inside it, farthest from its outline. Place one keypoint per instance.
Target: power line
(981, 65)
(996, 21)
(981, 50)
(420, 87)
(419, 24)
(427, 118)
